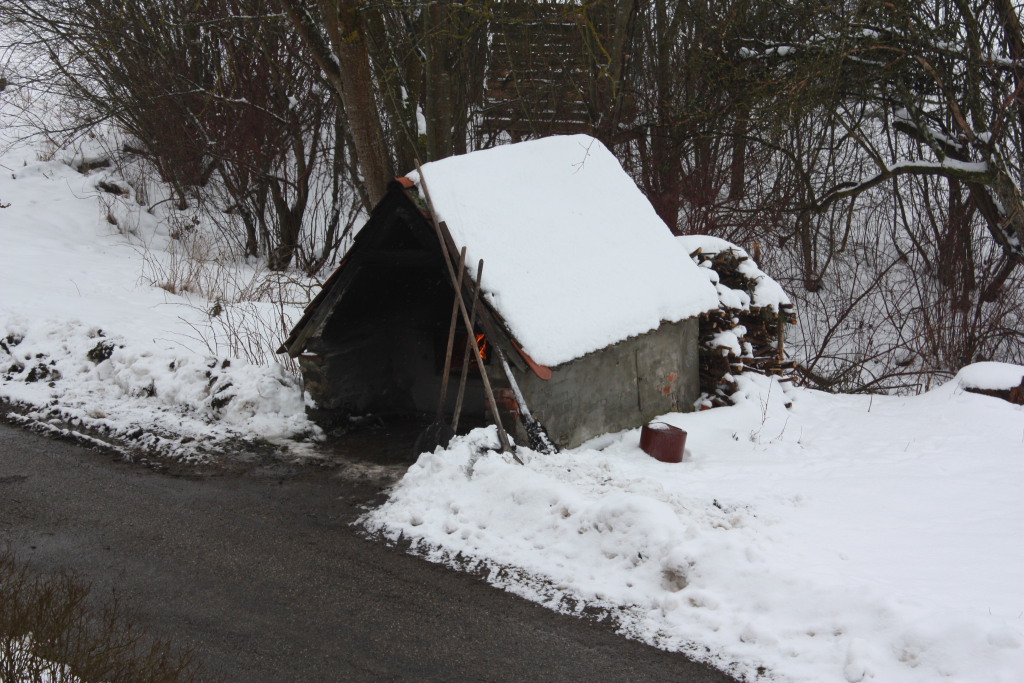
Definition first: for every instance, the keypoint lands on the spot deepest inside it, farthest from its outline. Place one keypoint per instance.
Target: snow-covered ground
(98, 330)
(805, 537)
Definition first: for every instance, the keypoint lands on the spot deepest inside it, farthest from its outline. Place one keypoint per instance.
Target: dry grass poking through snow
(51, 631)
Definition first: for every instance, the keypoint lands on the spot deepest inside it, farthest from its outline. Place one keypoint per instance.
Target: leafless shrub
(51, 630)
(218, 98)
(902, 311)
(950, 337)
(185, 266)
(198, 261)
(247, 330)
(253, 327)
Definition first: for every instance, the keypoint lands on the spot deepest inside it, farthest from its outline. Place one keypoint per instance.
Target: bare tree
(216, 92)
(924, 89)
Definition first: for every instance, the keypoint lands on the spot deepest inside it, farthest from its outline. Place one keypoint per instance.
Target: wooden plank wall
(540, 69)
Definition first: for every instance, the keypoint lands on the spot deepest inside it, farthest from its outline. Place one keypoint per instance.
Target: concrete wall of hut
(618, 387)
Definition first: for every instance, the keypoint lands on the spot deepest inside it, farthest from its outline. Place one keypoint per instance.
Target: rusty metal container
(663, 441)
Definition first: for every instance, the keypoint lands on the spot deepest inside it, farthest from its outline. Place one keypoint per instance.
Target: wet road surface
(264, 577)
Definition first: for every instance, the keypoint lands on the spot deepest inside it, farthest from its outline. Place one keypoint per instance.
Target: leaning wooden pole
(457, 414)
(451, 340)
(488, 390)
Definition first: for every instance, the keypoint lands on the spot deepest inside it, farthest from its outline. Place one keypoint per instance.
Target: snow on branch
(967, 171)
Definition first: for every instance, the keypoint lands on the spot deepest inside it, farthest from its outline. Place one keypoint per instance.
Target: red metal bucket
(662, 441)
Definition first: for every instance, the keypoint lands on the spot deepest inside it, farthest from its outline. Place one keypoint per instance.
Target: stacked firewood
(743, 333)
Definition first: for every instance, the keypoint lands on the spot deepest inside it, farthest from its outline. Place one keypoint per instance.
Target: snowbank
(991, 376)
(575, 256)
(161, 398)
(823, 538)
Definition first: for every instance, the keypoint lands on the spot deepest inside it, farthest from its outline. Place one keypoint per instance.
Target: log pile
(740, 335)
(1014, 395)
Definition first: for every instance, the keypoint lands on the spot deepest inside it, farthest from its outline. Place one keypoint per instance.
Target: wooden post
(465, 356)
(451, 340)
(492, 404)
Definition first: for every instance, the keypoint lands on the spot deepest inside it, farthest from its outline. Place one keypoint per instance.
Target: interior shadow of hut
(384, 365)
(372, 345)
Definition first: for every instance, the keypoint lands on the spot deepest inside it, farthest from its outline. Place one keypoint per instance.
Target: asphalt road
(264, 577)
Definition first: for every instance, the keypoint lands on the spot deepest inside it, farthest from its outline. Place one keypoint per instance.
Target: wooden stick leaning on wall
(488, 390)
(438, 433)
(470, 339)
(451, 339)
(536, 432)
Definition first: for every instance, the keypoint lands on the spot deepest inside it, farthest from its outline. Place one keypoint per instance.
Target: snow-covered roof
(575, 257)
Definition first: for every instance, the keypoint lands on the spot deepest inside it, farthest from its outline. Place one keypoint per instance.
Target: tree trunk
(344, 57)
(347, 33)
(439, 67)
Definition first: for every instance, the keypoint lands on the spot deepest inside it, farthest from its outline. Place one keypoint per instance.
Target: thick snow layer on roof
(575, 257)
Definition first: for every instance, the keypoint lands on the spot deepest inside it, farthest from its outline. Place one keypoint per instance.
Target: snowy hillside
(106, 324)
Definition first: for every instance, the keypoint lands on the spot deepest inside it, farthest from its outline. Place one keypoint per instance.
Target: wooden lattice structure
(543, 74)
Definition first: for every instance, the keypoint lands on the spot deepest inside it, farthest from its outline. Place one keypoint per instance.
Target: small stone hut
(584, 289)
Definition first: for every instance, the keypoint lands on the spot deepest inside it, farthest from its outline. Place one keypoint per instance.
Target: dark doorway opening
(383, 350)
